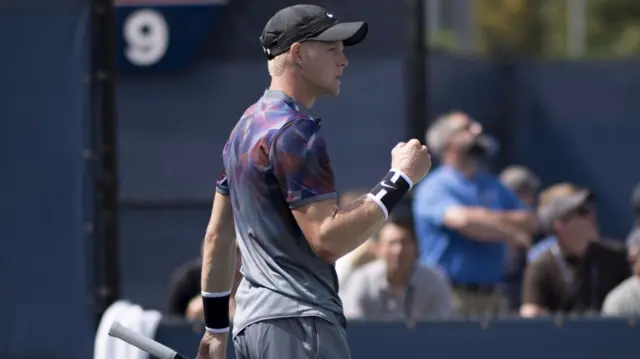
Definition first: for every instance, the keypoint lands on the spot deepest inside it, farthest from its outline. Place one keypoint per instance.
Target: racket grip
(138, 340)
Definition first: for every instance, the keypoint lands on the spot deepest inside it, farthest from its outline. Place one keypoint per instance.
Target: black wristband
(216, 311)
(390, 190)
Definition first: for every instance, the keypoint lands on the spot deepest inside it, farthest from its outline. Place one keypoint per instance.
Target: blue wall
(44, 251)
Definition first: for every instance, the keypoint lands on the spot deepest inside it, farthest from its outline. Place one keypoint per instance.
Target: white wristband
(390, 190)
(217, 331)
(377, 200)
(215, 294)
(403, 175)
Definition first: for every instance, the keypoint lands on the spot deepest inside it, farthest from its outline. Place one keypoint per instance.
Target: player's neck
(294, 89)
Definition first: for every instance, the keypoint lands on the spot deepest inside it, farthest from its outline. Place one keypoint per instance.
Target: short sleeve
(301, 164)
(222, 184)
(431, 201)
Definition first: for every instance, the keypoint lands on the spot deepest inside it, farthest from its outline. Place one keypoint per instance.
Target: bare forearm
(218, 264)
(351, 226)
(218, 249)
(485, 226)
(523, 220)
(485, 232)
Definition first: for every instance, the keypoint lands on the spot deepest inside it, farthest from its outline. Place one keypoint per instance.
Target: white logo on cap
(330, 15)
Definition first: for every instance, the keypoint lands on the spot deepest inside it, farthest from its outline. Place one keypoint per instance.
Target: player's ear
(295, 53)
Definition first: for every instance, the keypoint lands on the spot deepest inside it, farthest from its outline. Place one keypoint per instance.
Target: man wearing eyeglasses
(576, 273)
(465, 217)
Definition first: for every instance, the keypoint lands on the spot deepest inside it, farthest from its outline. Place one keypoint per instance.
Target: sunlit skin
(313, 70)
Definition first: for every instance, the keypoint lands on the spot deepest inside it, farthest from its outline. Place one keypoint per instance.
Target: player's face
(398, 248)
(322, 66)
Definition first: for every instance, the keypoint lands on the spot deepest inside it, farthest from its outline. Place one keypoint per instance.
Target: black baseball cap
(301, 23)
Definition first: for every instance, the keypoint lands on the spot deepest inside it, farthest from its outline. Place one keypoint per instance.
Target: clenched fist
(412, 158)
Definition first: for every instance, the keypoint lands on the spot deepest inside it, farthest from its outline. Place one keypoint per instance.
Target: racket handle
(138, 340)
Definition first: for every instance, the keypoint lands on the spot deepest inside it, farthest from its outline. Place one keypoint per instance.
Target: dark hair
(184, 286)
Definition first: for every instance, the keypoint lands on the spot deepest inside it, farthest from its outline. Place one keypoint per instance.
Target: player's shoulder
(284, 115)
(297, 129)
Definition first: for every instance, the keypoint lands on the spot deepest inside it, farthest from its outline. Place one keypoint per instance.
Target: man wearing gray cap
(576, 273)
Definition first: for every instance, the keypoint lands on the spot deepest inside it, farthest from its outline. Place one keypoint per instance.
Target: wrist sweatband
(216, 311)
(390, 190)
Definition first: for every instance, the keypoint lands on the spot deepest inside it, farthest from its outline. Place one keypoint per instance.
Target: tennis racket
(143, 343)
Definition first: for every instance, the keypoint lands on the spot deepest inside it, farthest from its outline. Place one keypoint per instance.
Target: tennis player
(277, 197)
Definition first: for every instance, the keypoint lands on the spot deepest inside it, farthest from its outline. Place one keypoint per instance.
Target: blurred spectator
(577, 272)
(525, 185)
(359, 256)
(396, 287)
(549, 194)
(184, 290)
(522, 182)
(633, 240)
(184, 286)
(624, 300)
(464, 216)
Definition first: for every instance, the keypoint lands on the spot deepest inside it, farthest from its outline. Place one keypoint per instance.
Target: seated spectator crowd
(466, 242)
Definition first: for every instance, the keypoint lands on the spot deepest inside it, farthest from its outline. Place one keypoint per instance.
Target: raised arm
(303, 170)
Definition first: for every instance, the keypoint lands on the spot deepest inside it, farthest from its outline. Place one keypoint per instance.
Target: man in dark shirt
(576, 273)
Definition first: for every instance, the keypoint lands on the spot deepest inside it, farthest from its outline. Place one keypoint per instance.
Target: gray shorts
(292, 338)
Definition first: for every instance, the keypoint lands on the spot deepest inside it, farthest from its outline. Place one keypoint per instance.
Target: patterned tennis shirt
(276, 160)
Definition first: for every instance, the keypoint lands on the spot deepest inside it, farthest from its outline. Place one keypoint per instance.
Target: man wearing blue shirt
(464, 216)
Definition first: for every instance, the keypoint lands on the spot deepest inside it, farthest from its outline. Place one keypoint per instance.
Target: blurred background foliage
(540, 28)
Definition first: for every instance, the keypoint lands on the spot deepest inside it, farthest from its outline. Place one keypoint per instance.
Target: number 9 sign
(146, 37)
